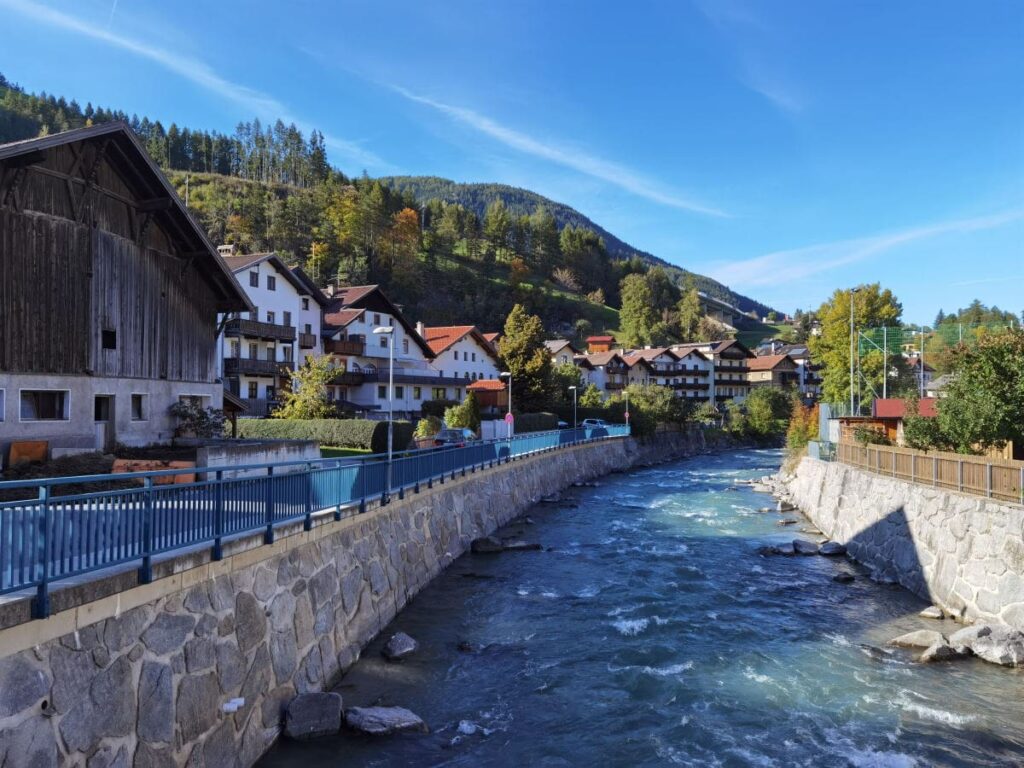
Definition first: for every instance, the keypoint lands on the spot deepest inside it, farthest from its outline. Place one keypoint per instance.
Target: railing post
(42, 606)
(1022, 485)
(268, 536)
(935, 471)
(988, 480)
(307, 523)
(960, 475)
(218, 516)
(362, 482)
(146, 571)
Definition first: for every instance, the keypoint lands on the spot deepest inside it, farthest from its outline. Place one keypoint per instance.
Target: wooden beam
(154, 204)
(29, 158)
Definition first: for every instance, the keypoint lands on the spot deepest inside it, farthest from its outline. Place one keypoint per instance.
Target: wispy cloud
(595, 167)
(191, 69)
(789, 266)
(750, 37)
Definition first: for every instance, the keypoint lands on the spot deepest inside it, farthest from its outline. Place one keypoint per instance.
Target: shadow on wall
(889, 549)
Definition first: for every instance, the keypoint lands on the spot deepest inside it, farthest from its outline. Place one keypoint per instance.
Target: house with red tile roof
(461, 351)
(778, 371)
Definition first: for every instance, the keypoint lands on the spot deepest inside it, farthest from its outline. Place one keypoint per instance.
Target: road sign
(627, 414)
(508, 418)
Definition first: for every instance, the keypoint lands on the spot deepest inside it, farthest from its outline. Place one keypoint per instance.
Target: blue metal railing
(52, 536)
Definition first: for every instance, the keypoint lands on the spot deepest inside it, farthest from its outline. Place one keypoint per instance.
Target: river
(649, 632)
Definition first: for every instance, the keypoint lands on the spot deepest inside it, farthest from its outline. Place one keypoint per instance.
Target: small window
(456, 354)
(109, 339)
(254, 390)
(417, 393)
(236, 348)
(439, 393)
(382, 392)
(376, 319)
(305, 303)
(286, 353)
(400, 392)
(271, 353)
(138, 407)
(384, 341)
(405, 346)
(254, 350)
(287, 318)
(3, 404)
(474, 357)
(255, 314)
(271, 283)
(270, 391)
(44, 405)
(271, 317)
(254, 279)
(309, 328)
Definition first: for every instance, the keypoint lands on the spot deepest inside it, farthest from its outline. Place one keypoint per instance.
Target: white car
(594, 423)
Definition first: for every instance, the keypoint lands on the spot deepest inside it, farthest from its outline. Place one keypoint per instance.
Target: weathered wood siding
(78, 258)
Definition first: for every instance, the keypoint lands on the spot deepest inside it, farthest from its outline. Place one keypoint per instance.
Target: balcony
(248, 366)
(732, 382)
(307, 340)
(351, 378)
(686, 385)
(732, 369)
(614, 385)
(254, 329)
(351, 346)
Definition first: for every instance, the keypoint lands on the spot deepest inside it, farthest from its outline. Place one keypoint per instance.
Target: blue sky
(785, 148)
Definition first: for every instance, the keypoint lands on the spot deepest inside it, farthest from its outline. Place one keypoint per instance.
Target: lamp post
(573, 390)
(508, 414)
(853, 292)
(390, 333)
(626, 393)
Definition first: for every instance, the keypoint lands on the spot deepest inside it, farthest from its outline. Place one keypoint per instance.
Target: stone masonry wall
(146, 686)
(962, 552)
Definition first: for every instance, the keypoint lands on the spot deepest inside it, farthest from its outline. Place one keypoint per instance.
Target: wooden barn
(109, 294)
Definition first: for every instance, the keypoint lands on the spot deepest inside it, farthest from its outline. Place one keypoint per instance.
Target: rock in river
(832, 549)
(486, 545)
(311, 715)
(843, 578)
(399, 646)
(921, 638)
(383, 720)
(993, 643)
(932, 612)
(516, 545)
(803, 547)
(940, 652)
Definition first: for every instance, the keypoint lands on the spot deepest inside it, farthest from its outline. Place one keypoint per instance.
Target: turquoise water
(649, 632)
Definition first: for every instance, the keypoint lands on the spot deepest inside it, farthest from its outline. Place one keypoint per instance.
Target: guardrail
(1001, 479)
(53, 536)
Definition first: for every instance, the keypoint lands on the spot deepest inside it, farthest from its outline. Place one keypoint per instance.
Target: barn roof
(128, 157)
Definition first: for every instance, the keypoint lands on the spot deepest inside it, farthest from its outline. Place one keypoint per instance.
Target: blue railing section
(54, 536)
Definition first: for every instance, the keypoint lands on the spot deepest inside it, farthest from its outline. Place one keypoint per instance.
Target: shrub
(428, 426)
(535, 422)
(466, 415)
(197, 421)
(803, 427)
(870, 436)
(343, 433)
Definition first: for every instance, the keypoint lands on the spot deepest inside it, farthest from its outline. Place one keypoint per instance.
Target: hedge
(343, 433)
(535, 422)
(437, 407)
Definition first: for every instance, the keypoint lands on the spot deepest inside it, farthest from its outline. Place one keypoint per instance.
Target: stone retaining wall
(963, 553)
(140, 676)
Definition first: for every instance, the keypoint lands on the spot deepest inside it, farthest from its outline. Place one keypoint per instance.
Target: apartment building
(778, 371)
(111, 295)
(607, 370)
(729, 359)
(261, 348)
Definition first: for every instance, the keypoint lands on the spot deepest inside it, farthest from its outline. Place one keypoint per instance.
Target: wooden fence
(1001, 479)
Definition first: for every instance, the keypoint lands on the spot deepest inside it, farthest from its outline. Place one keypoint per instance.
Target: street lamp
(389, 332)
(853, 291)
(573, 390)
(508, 415)
(626, 393)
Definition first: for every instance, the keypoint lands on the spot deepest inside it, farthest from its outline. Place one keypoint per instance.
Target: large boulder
(311, 715)
(380, 721)
(1000, 645)
(932, 612)
(940, 652)
(832, 549)
(804, 547)
(399, 646)
(920, 638)
(486, 545)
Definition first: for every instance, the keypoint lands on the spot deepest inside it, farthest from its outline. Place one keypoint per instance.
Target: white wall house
(730, 361)
(607, 370)
(460, 351)
(261, 347)
(562, 351)
(362, 356)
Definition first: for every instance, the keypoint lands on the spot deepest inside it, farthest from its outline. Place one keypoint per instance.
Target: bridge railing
(58, 533)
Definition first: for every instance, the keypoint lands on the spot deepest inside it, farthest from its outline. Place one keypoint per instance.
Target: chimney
(227, 250)
(420, 328)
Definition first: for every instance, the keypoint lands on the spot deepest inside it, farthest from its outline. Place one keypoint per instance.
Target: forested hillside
(268, 187)
(522, 202)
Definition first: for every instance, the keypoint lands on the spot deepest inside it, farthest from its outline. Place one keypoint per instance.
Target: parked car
(594, 423)
(453, 438)
(563, 424)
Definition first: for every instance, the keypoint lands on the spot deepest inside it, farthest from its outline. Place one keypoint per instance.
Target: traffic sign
(508, 418)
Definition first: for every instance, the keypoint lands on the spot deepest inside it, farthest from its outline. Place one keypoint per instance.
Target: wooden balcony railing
(248, 366)
(307, 340)
(259, 330)
(351, 346)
